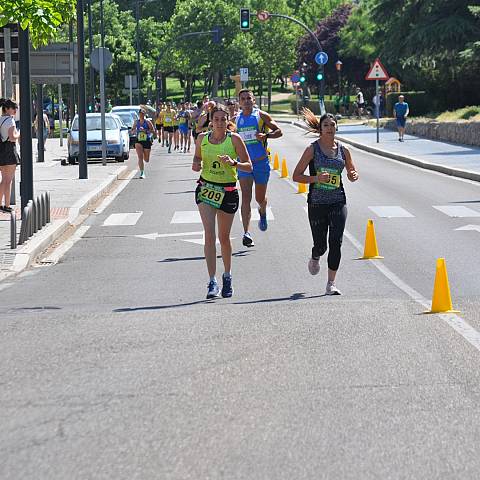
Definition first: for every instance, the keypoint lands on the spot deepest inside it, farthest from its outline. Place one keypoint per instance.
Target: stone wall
(467, 133)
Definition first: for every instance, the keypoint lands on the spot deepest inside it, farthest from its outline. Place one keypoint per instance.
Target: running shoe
(314, 266)
(213, 289)
(227, 289)
(332, 289)
(169, 149)
(262, 223)
(142, 174)
(247, 240)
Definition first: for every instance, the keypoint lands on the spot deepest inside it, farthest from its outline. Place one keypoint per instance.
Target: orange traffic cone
(284, 169)
(275, 162)
(370, 250)
(441, 299)
(302, 188)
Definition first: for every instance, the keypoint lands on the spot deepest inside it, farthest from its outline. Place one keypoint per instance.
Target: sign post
(243, 75)
(60, 113)
(377, 72)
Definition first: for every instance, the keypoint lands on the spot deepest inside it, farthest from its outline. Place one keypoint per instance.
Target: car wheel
(126, 155)
(119, 159)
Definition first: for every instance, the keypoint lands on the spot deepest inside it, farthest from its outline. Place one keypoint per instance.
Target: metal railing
(35, 216)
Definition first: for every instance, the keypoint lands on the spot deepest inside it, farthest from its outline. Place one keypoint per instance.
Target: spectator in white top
(9, 158)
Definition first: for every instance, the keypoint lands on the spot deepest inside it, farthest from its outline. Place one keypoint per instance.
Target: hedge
(313, 105)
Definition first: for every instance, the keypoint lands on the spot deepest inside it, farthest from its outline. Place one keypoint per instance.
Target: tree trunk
(215, 78)
(269, 102)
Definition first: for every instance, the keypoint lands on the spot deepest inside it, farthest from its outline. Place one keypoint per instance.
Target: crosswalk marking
(122, 219)
(457, 211)
(391, 212)
(186, 216)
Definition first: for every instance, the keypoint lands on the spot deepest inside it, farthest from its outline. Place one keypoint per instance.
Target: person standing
(401, 111)
(144, 131)
(360, 102)
(9, 158)
(216, 154)
(326, 158)
(252, 124)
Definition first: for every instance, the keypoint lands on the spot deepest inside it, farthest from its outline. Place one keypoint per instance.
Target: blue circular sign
(321, 58)
(295, 78)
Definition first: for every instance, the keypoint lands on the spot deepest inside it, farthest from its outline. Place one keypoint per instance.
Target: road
(114, 366)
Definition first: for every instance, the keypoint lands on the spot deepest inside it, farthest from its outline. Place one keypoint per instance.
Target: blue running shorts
(260, 174)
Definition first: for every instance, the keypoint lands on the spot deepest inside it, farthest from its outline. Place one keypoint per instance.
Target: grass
(465, 114)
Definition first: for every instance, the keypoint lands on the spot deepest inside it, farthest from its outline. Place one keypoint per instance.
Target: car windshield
(95, 123)
(126, 118)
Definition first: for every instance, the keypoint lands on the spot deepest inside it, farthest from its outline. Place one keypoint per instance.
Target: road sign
(244, 74)
(321, 58)
(377, 72)
(133, 80)
(13, 42)
(295, 78)
(53, 64)
(95, 58)
(263, 15)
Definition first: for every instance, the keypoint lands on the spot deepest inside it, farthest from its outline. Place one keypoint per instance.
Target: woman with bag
(9, 158)
(216, 154)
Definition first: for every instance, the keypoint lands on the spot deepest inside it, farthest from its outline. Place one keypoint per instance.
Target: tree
(41, 17)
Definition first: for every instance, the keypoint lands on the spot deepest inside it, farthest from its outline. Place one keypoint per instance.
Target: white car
(116, 133)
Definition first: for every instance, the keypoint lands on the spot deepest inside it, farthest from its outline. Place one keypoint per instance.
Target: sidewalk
(70, 197)
(449, 158)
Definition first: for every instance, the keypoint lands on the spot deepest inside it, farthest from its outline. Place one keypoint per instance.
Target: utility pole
(82, 113)
(90, 48)
(137, 31)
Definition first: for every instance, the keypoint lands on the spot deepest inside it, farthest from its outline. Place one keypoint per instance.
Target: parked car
(116, 134)
(128, 118)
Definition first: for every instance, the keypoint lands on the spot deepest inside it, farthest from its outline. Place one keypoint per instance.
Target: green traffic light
(245, 23)
(302, 79)
(319, 76)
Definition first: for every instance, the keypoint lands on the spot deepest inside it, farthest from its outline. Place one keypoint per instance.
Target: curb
(27, 253)
(454, 172)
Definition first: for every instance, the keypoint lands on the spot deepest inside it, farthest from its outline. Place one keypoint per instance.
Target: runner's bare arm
(151, 129)
(197, 156)
(299, 175)
(275, 132)
(352, 173)
(245, 164)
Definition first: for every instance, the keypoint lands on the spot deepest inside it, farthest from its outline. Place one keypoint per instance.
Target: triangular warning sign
(377, 72)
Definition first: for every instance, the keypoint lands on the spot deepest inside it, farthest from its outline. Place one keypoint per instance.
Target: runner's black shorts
(230, 203)
(168, 129)
(158, 126)
(146, 144)
(175, 128)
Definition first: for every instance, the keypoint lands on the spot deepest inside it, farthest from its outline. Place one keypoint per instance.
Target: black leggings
(323, 218)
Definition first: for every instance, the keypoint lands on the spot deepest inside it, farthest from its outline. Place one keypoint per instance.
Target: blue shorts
(183, 129)
(260, 174)
(401, 121)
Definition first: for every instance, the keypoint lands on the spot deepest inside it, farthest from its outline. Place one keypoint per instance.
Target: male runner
(252, 125)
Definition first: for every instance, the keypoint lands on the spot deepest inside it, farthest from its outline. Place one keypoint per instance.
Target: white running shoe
(332, 289)
(142, 174)
(314, 266)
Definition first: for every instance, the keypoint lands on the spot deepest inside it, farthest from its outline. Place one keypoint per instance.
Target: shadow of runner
(240, 253)
(162, 307)
(293, 297)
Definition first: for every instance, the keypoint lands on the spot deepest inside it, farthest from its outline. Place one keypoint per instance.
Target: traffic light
(320, 76)
(302, 78)
(245, 19)
(217, 34)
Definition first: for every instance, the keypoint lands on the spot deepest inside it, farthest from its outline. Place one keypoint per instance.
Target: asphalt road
(115, 366)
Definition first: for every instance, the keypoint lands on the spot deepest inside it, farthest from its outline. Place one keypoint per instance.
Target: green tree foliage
(41, 17)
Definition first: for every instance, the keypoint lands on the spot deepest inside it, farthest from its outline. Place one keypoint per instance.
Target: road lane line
(457, 211)
(122, 219)
(391, 212)
(109, 199)
(186, 216)
(60, 251)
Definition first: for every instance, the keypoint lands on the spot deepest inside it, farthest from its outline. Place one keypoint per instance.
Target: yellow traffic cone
(370, 250)
(302, 188)
(275, 162)
(441, 299)
(284, 169)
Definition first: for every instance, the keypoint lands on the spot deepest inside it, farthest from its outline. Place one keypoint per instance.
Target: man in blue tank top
(255, 127)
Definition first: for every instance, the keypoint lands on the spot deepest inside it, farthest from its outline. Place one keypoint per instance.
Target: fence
(35, 216)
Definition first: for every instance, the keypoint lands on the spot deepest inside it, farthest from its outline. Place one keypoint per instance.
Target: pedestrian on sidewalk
(216, 154)
(144, 131)
(45, 125)
(9, 158)
(326, 158)
(401, 111)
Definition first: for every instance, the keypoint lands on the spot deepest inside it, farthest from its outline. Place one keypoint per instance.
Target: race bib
(142, 136)
(334, 180)
(248, 135)
(211, 195)
(168, 119)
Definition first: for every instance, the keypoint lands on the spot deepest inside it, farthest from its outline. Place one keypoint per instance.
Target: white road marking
(470, 227)
(391, 212)
(201, 241)
(59, 252)
(186, 216)
(154, 236)
(109, 199)
(457, 211)
(116, 219)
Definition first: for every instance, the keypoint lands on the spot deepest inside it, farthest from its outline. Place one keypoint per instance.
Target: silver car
(116, 133)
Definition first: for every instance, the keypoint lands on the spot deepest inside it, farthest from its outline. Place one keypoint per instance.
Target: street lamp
(338, 66)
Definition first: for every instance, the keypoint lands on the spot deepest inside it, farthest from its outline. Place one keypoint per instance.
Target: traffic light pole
(321, 92)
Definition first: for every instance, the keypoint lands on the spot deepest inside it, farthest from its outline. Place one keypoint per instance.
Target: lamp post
(338, 66)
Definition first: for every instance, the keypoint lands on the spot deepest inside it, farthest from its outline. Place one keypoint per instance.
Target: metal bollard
(24, 228)
(13, 230)
(38, 211)
(48, 207)
(43, 203)
(30, 219)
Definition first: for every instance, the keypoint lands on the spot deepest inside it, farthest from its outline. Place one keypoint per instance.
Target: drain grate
(6, 260)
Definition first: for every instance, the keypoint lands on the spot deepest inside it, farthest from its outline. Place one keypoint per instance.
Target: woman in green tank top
(216, 155)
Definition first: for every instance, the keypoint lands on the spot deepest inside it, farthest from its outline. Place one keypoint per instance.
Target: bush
(313, 105)
(419, 103)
